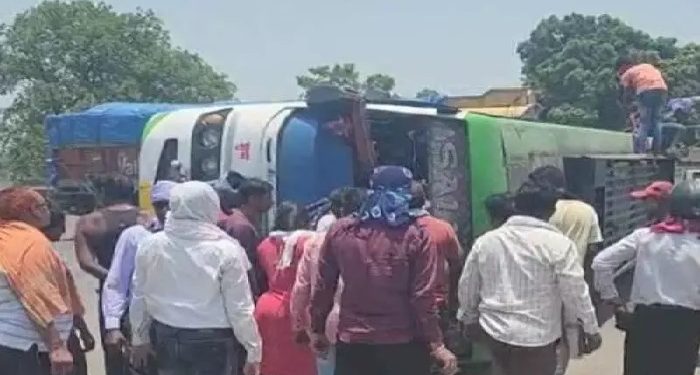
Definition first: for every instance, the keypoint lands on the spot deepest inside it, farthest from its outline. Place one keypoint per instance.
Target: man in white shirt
(515, 282)
(191, 284)
(578, 221)
(656, 197)
(664, 331)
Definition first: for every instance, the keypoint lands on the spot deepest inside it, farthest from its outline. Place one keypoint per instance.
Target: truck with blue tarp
(85, 147)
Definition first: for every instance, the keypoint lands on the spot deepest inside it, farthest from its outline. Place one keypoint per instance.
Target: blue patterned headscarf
(389, 196)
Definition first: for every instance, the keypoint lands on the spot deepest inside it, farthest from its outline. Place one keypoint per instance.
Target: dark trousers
(19, 362)
(626, 355)
(388, 359)
(181, 351)
(33, 362)
(664, 340)
(115, 362)
(76, 350)
(517, 360)
(650, 104)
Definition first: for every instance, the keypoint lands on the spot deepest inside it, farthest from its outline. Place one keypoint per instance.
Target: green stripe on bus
(155, 119)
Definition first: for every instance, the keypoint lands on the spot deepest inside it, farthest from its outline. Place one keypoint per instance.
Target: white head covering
(194, 211)
(326, 222)
(194, 200)
(161, 191)
(290, 240)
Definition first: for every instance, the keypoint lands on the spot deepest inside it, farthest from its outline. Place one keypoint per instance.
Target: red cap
(656, 190)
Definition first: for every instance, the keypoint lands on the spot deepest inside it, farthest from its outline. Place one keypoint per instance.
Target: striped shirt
(516, 280)
(17, 331)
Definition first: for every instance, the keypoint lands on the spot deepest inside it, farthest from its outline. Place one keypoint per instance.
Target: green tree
(683, 72)
(570, 60)
(427, 93)
(345, 76)
(683, 76)
(64, 56)
(379, 82)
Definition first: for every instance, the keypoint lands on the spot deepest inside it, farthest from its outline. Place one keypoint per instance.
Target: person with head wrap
(190, 286)
(388, 322)
(350, 200)
(38, 295)
(664, 329)
(117, 288)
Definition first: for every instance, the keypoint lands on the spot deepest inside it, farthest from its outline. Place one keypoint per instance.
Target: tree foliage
(64, 56)
(570, 61)
(427, 93)
(345, 76)
(683, 72)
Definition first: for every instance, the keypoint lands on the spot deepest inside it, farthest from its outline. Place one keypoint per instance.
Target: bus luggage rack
(606, 181)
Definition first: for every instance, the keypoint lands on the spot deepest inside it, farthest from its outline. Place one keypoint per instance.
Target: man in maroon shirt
(243, 224)
(388, 312)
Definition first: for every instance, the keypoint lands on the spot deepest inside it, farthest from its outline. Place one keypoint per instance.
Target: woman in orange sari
(279, 256)
(38, 298)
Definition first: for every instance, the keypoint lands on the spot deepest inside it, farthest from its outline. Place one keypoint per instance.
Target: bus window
(168, 154)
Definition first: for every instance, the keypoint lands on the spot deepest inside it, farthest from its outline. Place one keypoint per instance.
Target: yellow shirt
(578, 221)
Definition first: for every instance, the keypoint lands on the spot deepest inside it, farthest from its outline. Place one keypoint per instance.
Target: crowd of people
(367, 282)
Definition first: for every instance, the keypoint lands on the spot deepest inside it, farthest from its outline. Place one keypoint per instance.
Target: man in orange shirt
(645, 83)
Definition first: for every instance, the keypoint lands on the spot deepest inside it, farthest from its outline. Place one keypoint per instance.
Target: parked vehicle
(85, 147)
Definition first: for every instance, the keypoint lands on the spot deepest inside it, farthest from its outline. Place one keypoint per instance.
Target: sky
(457, 47)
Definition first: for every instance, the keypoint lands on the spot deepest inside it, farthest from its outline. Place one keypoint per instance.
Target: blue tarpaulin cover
(105, 124)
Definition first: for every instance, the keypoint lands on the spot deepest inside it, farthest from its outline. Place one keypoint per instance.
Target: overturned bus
(307, 149)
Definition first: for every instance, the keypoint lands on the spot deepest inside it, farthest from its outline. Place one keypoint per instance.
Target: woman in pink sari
(350, 200)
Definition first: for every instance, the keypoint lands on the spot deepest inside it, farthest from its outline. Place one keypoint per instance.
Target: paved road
(606, 361)
(87, 286)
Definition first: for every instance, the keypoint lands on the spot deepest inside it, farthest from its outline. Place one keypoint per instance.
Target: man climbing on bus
(645, 84)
